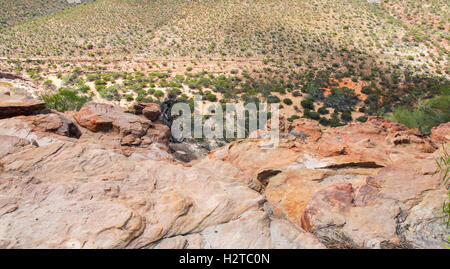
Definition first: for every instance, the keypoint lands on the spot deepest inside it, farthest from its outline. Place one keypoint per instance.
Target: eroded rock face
(98, 117)
(441, 133)
(151, 111)
(59, 190)
(365, 185)
(101, 181)
(9, 144)
(87, 196)
(11, 106)
(41, 129)
(131, 129)
(305, 129)
(84, 195)
(186, 152)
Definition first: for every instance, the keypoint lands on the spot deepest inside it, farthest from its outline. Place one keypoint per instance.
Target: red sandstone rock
(151, 111)
(441, 133)
(306, 129)
(12, 106)
(112, 120)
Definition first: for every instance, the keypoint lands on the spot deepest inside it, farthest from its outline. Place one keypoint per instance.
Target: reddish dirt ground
(347, 82)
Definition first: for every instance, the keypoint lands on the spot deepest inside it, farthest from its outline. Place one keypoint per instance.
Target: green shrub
(66, 99)
(342, 99)
(334, 122)
(84, 89)
(362, 119)
(311, 114)
(296, 93)
(293, 117)
(100, 82)
(68, 79)
(129, 97)
(175, 92)
(183, 98)
(324, 121)
(346, 116)
(443, 169)
(100, 87)
(323, 110)
(287, 101)
(147, 99)
(308, 103)
(272, 99)
(366, 90)
(314, 90)
(211, 97)
(48, 84)
(92, 77)
(110, 93)
(158, 93)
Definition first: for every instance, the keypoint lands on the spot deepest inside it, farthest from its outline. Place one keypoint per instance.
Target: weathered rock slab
(12, 106)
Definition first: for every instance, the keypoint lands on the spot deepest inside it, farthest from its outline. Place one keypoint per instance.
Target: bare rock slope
(69, 181)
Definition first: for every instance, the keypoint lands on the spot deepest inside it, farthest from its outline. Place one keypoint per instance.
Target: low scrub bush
(65, 99)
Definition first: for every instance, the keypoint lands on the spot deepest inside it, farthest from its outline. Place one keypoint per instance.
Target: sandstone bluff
(103, 177)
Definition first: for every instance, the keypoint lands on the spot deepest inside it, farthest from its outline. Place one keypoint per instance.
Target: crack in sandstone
(354, 165)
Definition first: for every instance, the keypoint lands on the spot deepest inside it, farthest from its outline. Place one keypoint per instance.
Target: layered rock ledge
(105, 178)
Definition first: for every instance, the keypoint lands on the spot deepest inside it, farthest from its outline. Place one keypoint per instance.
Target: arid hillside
(331, 61)
(17, 11)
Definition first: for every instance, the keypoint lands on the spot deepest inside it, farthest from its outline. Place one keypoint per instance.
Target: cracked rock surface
(69, 181)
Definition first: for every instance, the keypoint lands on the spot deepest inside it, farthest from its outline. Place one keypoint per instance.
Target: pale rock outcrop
(9, 144)
(441, 133)
(364, 185)
(130, 129)
(86, 193)
(42, 129)
(97, 178)
(83, 195)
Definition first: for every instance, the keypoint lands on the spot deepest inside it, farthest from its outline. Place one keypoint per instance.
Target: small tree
(66, 99)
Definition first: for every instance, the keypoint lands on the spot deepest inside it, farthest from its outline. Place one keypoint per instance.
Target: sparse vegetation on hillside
(331, 61)
(16, 11)
(325, 31)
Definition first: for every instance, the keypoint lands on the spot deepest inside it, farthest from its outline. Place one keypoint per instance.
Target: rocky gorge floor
(103, 177)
